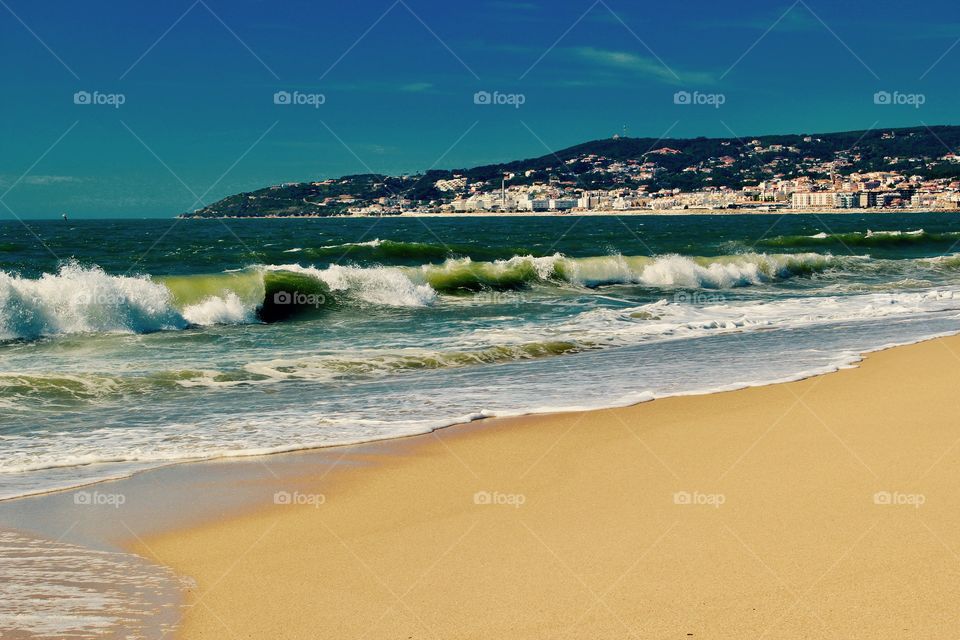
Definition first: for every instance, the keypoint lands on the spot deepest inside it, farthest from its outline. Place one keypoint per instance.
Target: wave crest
(88, 300)
(81, 300)
(869, 238)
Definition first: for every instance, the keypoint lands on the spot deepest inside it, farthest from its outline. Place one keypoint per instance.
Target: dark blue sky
(197, 80)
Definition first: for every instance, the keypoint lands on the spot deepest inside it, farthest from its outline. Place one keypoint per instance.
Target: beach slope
(822, 508)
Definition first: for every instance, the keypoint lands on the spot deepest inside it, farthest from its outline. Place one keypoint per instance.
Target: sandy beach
(597, 213)
(822, 508)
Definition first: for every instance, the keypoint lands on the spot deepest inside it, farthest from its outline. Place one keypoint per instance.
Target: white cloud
(37, 180)
(640, 65)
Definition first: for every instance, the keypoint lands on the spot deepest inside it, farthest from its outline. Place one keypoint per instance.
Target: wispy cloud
(38, 180)
(375, 86)
(416, 87)
(634, 64)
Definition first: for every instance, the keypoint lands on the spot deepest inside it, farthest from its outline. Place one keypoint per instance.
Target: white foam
(82, 300)
(697, 314)
(58, 590)
(894, 234)
(723, 272)
(87, 300)
(673, 271)
(388, 286)
(734, 271)
(229, 309)
(706, 308)
(376, 242)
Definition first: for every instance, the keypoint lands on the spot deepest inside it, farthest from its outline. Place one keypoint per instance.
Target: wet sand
(822, 508)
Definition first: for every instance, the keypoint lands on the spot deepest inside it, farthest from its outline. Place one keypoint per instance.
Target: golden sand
(827, 508)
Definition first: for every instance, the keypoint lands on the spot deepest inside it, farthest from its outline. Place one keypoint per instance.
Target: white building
(563, 204)
(815, 200)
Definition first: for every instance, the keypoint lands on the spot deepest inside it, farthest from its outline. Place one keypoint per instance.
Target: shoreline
(851, 362)
(550, 491)
(191, 516)
(409, 489)
(672, 212)
(574, 214)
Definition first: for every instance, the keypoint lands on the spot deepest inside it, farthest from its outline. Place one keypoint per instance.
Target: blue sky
(197, 81)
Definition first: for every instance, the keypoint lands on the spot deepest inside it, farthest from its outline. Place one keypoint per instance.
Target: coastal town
(879, 191)
(877, 171)
(876, 190)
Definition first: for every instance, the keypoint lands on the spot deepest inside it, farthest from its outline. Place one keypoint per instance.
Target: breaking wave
(669, 318)
(80, 299)
(878, 239)
(665, 271)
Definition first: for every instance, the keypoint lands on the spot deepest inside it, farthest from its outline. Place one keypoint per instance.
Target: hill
(643, 164)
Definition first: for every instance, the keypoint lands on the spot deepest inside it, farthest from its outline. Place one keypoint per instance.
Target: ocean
(128, 344)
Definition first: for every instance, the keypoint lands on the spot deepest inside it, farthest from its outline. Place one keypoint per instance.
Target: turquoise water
(129, 344)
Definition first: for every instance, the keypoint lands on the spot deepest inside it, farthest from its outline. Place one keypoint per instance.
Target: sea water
(128, 344)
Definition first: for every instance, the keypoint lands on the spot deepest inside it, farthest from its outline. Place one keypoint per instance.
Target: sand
(826, 508)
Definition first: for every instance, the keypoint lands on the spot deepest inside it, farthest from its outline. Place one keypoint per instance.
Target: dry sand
(750, 514)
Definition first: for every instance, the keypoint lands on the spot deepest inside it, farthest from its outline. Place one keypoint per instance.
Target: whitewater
(80, 299)
(326, 332)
